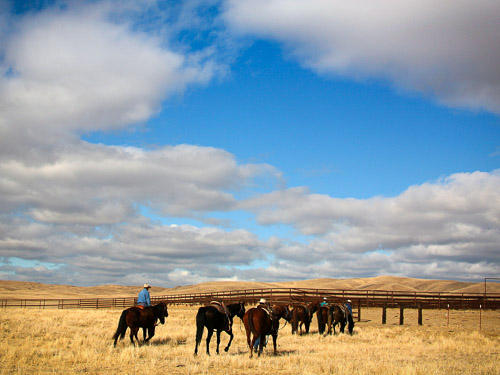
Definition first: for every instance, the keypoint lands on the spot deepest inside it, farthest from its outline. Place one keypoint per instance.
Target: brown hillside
(26, 290)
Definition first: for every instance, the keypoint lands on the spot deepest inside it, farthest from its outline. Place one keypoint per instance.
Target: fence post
(448, 315)
(359, 310)
(419, 314)
(401, 316)
(384, 314)
(479, 317)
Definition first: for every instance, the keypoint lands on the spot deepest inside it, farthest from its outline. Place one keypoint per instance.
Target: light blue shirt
(144, 298)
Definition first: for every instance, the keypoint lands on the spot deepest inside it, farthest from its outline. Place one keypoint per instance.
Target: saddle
(345, 311)
(223, 310)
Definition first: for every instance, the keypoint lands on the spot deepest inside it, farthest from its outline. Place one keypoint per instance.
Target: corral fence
(291, 296)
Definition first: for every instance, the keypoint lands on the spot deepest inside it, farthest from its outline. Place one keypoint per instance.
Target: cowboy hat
(146, 286)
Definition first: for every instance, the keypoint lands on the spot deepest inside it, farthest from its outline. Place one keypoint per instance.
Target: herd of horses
(259, 322)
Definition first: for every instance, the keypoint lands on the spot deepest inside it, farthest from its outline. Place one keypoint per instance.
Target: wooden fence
(359, 298)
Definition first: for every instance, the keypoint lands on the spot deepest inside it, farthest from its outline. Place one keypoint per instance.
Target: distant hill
(27, 290)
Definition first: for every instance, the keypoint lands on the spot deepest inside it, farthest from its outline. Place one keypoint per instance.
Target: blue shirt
(144, 298)
(349, 308)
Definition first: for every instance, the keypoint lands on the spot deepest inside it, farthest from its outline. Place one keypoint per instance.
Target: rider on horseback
(144, 299)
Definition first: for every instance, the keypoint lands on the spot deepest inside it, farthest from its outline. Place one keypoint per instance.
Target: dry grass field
(34, 341)
(52, 341)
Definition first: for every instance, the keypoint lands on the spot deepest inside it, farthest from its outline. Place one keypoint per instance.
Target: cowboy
(348, 306)
(263, 304)
(324, 302)
(144, 299)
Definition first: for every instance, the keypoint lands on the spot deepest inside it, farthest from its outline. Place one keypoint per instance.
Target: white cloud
(67, 71)
(454, 220)
(448, 49)
(96, 185)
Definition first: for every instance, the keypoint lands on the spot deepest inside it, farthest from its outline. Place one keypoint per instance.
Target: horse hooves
(226, 349)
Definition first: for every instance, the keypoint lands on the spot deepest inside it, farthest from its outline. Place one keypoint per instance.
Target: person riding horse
(144, 298)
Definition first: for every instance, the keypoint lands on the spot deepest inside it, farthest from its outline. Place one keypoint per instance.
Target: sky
(179, 142)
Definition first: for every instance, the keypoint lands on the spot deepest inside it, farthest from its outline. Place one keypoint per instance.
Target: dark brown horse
(137, 317)
(300, 315)
(322, 315)
(213, 319)
(339, 314)
(260, 322)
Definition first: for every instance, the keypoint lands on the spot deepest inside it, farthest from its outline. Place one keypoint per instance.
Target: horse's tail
(250, 322)
(122, 326)
(295, 320)
(330, 319)
(200, 324)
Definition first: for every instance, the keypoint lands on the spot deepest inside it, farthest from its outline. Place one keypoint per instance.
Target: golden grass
(79, 341)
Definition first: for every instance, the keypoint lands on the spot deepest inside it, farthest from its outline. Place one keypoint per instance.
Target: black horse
(136, 317)
(339, 314)
(213, 319)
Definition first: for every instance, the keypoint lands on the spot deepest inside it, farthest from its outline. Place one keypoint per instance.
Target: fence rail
(365, 298)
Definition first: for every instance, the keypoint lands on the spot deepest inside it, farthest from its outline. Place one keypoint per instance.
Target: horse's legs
(209, 336)
(230, 332)
(151, 332)
(261, 343)
(342, 326)
(275, 337)
(144, 333)
(218, 341)
(133, 333)
(250, 342)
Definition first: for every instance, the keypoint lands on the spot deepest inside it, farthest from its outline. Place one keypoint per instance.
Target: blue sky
(248, 140)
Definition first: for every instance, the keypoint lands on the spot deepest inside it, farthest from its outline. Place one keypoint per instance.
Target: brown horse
(300, 315)
(136, 317)
(338, 314)
(322, 315)
(282, 311)
(259, 322)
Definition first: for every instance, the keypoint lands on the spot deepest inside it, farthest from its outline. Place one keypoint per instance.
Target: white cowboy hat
(349, 300)
(146, 286)
(262, 300)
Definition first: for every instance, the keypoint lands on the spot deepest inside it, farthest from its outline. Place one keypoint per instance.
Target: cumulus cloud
(426, 229)
(99, 185)
(74, 70)
(137, 248)
(447, 49)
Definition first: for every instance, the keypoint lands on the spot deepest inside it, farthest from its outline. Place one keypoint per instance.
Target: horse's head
(288, 314)
(241, 310)
(161, 312)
